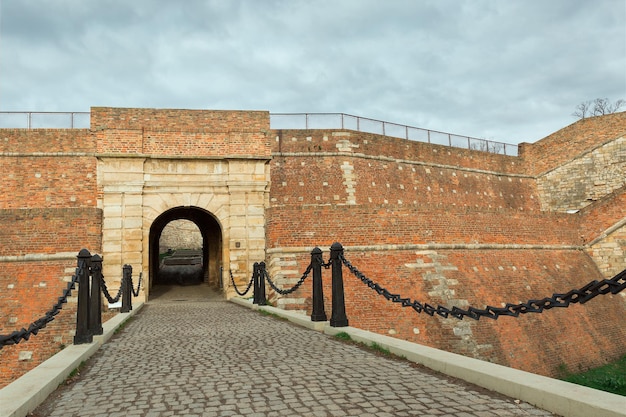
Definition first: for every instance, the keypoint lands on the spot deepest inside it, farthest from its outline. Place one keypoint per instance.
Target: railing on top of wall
(45, 120)
(363, 124)
(81, 120)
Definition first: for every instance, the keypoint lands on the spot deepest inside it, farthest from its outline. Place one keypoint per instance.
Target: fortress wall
(603, 226)
(587, 178)
(398, 225)
(581, 336)
(38, 248)
(48, 231)
(312, 141)
(450, 231)
(34, 181)
(47, 214)
(349, 179)
(316, 167)
(47, 141)
(29, 289)
(568, 143)
(194, 133)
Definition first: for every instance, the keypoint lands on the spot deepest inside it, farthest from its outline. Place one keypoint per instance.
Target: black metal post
(262, 299)
(82, 314)
(127, 272)
(318, 313)
(95, 301)
(255, 283)
(338, 317)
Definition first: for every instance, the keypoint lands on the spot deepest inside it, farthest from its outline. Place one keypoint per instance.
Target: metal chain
(105, 291)
(132, 288)
(292, 289)
(582, 295)
(232, 279)
(23, 334)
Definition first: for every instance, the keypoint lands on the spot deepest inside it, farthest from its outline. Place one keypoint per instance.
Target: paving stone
(207, 357)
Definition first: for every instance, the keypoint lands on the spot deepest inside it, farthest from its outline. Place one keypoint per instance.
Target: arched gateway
(156, 166)
(211, 232)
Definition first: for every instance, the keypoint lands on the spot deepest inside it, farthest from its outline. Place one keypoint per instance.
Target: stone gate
(209, 167)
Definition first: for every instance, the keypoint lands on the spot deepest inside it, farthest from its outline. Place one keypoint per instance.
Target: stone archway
(212, 239)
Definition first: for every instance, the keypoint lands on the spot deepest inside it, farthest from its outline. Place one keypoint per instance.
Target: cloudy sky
(510, 71)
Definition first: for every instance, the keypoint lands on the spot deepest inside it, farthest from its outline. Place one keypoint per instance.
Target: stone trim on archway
(137, 191)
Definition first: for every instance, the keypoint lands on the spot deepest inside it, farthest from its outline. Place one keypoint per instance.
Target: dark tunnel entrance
(193, 265)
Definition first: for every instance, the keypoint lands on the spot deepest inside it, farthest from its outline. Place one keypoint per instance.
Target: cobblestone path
(191, 353)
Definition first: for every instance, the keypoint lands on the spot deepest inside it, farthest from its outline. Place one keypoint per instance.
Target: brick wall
(585, 179)
(568, 143)
(29, 289)
(47, 214)
(438, 224)
(451, 227)
(196, 133)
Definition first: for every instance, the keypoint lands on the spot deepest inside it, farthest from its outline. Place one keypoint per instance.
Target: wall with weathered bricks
(180, 234)
(47, 214)
(569, 143)
(151, 161)
(441, 225)
(455, 227)
(585, 179)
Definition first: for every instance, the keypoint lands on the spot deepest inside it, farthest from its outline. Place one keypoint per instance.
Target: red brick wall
(45, 181)
(49, 231)
(311, 141)
(195, 133)
(49, 141)
(29, 290)
(37, 247)
(569, 142)
(444, 226)
(394, 225)
(580, 336)
(438, 224)
(47, 213)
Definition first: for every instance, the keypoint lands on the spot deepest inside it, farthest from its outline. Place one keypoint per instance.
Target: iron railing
(298, 121)
(363, 124)
(44, 120)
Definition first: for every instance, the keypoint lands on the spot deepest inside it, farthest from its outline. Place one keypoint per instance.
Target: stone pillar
(122, 181)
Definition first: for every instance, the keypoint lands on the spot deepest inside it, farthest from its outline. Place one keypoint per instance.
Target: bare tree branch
(597, 107)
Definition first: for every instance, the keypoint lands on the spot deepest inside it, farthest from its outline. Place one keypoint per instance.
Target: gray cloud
(510, 71)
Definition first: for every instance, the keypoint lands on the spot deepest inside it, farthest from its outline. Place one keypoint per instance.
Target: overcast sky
(510, 71)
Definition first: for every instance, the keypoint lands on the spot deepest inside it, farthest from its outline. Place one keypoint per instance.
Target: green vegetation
(343, 336)
(122, 325)
(375, 347)
(164, 255)
(610, 377)
(382, 350)
(73, 376)
(267, 313)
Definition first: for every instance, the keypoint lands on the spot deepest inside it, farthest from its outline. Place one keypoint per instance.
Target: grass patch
(267, 313)
(122, 325)
(381, 350)
(374, 347)
(343, 336)
(610, 378)
(73, 376)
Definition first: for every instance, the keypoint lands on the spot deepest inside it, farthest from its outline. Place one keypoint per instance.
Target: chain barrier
(582, 295)
(132, 288)
(24, 334)
(292, 289)
(232, 279)
(105, 291)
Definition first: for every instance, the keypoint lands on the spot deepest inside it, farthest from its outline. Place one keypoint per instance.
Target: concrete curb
(559, 397)
(26, 393)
